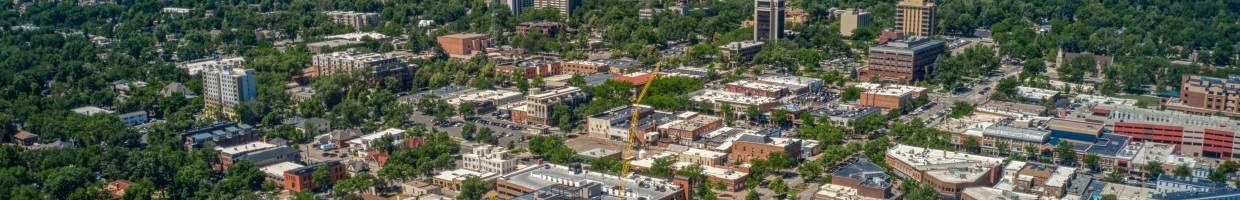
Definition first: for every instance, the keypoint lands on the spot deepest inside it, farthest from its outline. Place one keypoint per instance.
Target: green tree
(692, 171)
(779, 187)
(1183, 171)
(1219, 175)
(1091, 160)
(972, 145)
(1066, 155)
(662, 167)
(961, 109)
(353, 185)
(1116, 176)
(1109, 197)
(851, 93)
(1153, 169)
(810, 170)
(472, 188)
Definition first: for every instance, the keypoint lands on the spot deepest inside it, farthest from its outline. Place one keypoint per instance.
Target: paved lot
(585, 143)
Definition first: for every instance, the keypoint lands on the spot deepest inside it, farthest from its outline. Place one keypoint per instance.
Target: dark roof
(754, 139)
(268, 153)
(306, 170)
(1197, 182)
(866, 172)
(1231, 193)
(1108, 144)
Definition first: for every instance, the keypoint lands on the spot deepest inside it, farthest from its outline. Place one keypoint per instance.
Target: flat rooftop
(462, 174)
(952, 167)
(1020, 134)
(377, 135)
(278, 169)
(758, 85)
(636, 186)
(889, 89)
(719, 96)
(998, 194)
(244, 148)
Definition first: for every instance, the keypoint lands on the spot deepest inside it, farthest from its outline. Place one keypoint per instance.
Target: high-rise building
(516, 7)
(225, 87)
(851, 19)
(915, 17)
(768, 16)
(904, 61)
(565, 6)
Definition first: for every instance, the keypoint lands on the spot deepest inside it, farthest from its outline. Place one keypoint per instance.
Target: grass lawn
(1147, 101)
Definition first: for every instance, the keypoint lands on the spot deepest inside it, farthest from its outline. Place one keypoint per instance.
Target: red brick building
(1205, 95)
(463, 45)
(902, 61)
(302, 179)
(751, 146)
(1193, 135)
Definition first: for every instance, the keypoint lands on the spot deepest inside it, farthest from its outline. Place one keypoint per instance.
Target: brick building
(690, 126)
(1205, 95)
(888, 96)
(752, 146)
(302, 179)
(464, 45)
(948, 172)
(1193, 135)
(903, 61)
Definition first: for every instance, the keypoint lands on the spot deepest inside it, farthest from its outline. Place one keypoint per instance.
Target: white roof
(1036, 93)
(462, 174)
(889, 89)
(833, 191)
(758, 85)
(703, 153)
(716, 96)
(242, 148)
(91, 110)
(373, 136)
(948, 166)
(278, 169)
(358, 36)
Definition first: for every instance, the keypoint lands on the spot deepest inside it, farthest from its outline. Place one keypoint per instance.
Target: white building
(226, 87)
(489, 159)
(362, 144)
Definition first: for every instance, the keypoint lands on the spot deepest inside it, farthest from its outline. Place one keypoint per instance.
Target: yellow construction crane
(629, 146)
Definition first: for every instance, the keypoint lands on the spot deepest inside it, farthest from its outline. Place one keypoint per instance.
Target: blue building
(1078, 131)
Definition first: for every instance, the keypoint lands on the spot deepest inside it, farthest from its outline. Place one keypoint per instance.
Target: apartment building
(690, 126)
(302, 179)
(375, 68)
(537, 108)
(489, 159)
(356, 20)
(222, 134)
(564, 6)
(225, 88)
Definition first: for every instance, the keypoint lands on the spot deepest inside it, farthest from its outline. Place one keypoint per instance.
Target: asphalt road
(505, 135)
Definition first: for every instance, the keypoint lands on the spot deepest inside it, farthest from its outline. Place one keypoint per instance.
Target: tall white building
(225, 87)
(489, 159)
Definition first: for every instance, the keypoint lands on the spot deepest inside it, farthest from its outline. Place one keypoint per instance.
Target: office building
(534, 67)
(690, 126)
(795, 84)
(1205, 95)
(225, 88)
(489, 159)
(888, 96)
(948, 172)
(904, 61)
(851, 19)
(533, 178)
(537, 107)
(614, 124)
(739, 102)
(356, 20)
(768, 16)
(464, 45)
(859, 180)
(1038, 179)
(915, 17)
(482, 101)
(258, 153)
(741, 50)
(731, 179)
(753, 146)
(755, 88)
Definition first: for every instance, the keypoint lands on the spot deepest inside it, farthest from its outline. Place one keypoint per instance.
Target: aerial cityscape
(620, 99)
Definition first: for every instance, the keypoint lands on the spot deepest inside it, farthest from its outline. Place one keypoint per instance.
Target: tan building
(464, 45)
(757, 88)
(769, 18)
(451, 180)
(227, 87)
(915, 17)
(690, 126)
(540, 106)
(948, 172)
(752, 146)
(1205, 95)
(564, 6)
(888, 96)
(356, 20)
(375, 68)
(851, 19)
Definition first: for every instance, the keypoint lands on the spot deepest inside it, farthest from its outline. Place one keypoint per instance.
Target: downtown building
(564, 6)
(464, 45)
(225, 88)
(489, 159)
(554, 180)
(738, 102)
(1192, 135)
(768, 16)
(915, 17)
(1203, 95)
(904, 61)
(754, 146)
(948, 172)
(376, 68)
(888, 96)
(537, 108)
(614, 124)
